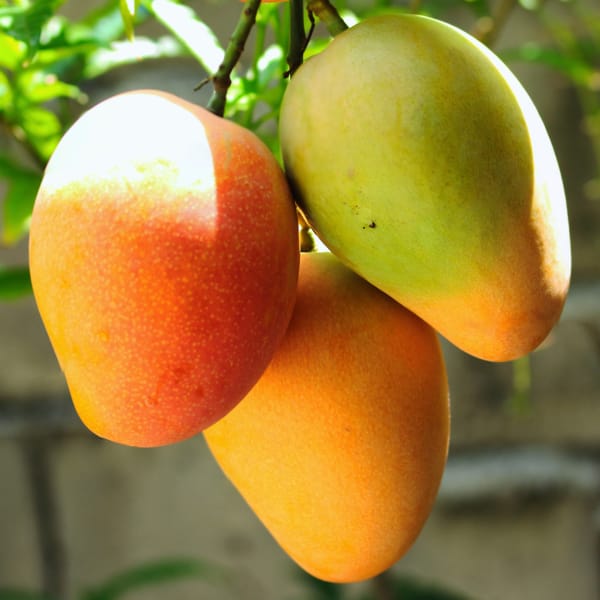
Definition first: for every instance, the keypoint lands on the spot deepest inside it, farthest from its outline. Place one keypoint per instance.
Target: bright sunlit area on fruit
(300, 299)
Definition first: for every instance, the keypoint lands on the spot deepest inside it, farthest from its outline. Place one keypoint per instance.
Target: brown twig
(327, 13)
(221, 80)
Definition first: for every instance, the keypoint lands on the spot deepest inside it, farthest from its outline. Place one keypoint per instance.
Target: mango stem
(327, 13)
(221, 80)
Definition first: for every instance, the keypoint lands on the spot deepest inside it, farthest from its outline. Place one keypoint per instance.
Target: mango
(340, 447)
(421, 162)
(164, 261)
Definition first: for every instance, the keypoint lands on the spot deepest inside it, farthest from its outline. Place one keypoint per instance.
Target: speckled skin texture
(341, 446)
(421, 162)
(164, 258)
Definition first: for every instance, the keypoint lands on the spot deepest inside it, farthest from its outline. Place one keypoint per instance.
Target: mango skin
(421, 162)
(341, 445)
(164, 259)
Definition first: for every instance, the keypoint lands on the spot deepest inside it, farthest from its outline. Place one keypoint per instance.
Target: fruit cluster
(166, 268)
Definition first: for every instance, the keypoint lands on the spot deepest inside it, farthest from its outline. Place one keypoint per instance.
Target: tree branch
(221, 80)
(297, 36)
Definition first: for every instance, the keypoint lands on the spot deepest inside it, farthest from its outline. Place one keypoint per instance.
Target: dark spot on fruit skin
(371, 225)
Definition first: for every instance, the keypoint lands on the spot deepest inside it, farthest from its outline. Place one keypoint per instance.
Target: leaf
(22, 185)
(39, 86)
(277, 17)
(6, 94)
(18, 204)
(12, 52)
(14, 594)
(51, 58)
(193, 33)
(163, 571)
(16, 283)
(60, 34)
(270, 65)
(25, 22)
(42, 128)
(105, 23)
(118, 54)
(64, 40)
(66, 46)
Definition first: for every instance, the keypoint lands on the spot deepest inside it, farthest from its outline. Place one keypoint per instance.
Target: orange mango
(164, 259)
(340, 447)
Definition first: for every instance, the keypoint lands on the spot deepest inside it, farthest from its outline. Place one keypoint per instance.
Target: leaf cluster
(46, 61)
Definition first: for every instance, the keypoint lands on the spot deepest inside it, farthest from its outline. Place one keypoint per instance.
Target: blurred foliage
(410, 588)
(387, 586)
(574, 52)
(44, 61)
(138, 578)
(163, 572)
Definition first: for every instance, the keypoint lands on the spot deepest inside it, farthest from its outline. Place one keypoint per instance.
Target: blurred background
(518, 513)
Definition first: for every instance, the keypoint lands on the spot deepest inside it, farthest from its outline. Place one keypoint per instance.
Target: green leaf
(25, 22)
(271, 65)
(14, 594)
(105, 23)
(6, 93)
(16, 283)
(193, 33)
(18, 204)
(50, 58)
(316, 46)
(122, 53)
(22, 185)
(160, 572)
(12, 52)
(39, 86)
(65, 47)
(277, 17)
(42, 128)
